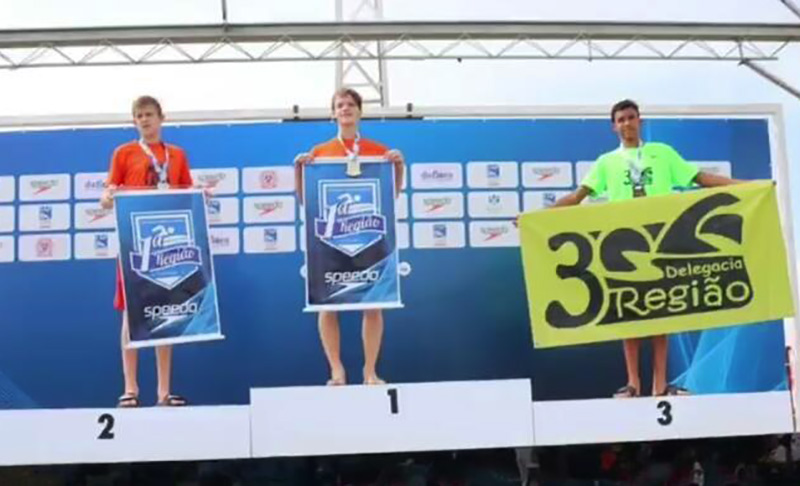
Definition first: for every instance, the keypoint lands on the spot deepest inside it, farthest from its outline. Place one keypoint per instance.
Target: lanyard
(160, 169)
(635, 166)
(353, 167)
(351, 154)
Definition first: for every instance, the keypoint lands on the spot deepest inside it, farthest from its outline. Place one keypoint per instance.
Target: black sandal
(172, 401)
(128, 400)
(626, 391)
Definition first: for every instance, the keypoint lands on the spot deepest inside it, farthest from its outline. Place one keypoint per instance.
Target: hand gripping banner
(167, 271)
(351, 245)
(655, 265)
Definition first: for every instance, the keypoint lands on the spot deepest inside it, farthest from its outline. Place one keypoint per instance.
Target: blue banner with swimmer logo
(167, 271)
(351, 250)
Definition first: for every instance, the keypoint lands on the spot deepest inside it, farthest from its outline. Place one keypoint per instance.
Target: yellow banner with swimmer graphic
(655, 265)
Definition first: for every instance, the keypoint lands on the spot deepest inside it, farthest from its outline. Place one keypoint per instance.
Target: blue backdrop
(465, 314)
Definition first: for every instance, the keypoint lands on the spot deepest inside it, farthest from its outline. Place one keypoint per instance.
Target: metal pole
(792, 6)
(772, 78)
(224, 11)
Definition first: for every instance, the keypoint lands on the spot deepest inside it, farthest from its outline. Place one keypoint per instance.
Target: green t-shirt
(659, 169)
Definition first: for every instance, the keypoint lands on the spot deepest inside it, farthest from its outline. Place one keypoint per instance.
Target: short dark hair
(623, 105)
(342, 92)
(143, 101)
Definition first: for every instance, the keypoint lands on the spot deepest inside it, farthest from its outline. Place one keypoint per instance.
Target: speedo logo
(43, 185)
(545, 173)
(170, 310)
(268, 207)
(365, 276)
(433, 204)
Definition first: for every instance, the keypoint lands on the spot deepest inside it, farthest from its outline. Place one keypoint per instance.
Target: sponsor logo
(211, 179)
(549, 199)
(101, 242)
(440, 231)
(490, 233)
(268, 179)
(42, 186)
(492, 172)
(350, 281)
(165, 252)
(96, 214)
(267, 208)
(545, 173)
(270, 236)
(45, 216)
(44, 247)
(434, 204)
(214, 207)
(436, 175)
(349, 218)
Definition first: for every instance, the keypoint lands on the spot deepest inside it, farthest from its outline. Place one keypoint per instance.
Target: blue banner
(351, 253)
(167, 271)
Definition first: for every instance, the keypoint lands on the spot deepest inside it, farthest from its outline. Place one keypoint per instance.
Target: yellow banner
(655, 265)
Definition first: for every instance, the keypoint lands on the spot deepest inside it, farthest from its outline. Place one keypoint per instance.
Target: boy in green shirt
(638, 169)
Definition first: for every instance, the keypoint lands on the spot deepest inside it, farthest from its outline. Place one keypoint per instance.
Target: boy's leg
(634, 385)
(660, 348)
(372, 335)
(329, 335)
(130, 360)
(164, 372)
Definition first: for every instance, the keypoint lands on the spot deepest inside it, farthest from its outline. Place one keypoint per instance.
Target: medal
(159, 169)
(353, 165)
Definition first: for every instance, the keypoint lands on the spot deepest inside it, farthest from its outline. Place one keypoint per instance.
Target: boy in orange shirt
(147, 163)
(346, 106)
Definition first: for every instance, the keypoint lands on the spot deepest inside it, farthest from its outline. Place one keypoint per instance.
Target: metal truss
(381, 41)
(368, 75)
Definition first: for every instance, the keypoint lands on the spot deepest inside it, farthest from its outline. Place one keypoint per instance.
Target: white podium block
(661, 418)
(123, 435)
(322, 420)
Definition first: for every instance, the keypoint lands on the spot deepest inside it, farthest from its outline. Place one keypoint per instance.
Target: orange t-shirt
(333, 148)
(131, 167)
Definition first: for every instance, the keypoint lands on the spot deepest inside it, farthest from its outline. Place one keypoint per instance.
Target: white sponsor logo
(222, 210)
(170, 310)
(499, 204)
(6, 249)
(92, 216)
(96, 245)
(45, 247)
(720, 168)
(7, 189)
(546, 174)
(486, 175)
(270, 239)
(7, 219)
(401, 206)
(403, 236)
(220, 181)
(44, 187)
(437, 205)
(449, 234)
(44, 217)
(269, 209)
(224, 241)
(89, 185)
(268, 179)
(436, 176)
(493, 234)
(582, 168)
(536, 200)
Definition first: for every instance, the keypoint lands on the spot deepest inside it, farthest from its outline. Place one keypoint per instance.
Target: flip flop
(128, 400)
(674, 391)
(336, 381)
(172, 401)
(626, 391)
(374, 381)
